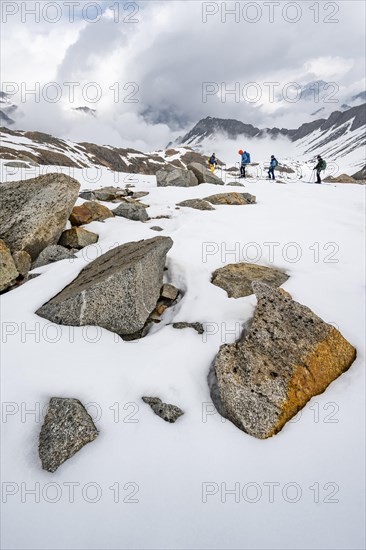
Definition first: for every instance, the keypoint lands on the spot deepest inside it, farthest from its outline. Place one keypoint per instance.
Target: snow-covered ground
(199, 483)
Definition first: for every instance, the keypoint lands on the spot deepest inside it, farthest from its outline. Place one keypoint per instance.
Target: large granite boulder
(51, 254)
(34, 212)
(237, 279)
(285, 357)
(203, 174)
(89, 211)
(235, 199)
(198, 204)
(117, 291)
(77, 237)
(131, 211)
(174, 176)
(8, 270)
(66, 429)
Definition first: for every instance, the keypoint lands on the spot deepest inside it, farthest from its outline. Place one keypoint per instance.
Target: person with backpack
(245, 159)
(319, 168)
(272, 166)
(212, 162)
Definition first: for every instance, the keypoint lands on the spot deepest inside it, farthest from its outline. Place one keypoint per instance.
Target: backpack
(275, 163)
(323, 165)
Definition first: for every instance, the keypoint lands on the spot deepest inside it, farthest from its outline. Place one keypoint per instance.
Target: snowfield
(200, 483)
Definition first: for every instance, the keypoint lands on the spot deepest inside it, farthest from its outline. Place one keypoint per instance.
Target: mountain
(7, 108)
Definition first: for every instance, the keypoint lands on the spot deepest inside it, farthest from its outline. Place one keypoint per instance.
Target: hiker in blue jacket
(272, 166)
(245, 159)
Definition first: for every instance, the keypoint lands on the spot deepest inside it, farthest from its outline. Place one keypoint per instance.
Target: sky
(152, 69)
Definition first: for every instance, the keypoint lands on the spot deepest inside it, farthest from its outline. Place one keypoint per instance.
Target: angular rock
(8, 270)
(89, 212)
(66, 429)
(16, 164)
(237, 279)
(116, 291)
(169, 413)
(342, 178)
(34, 212)
(87, 195)
(78, 238)
(139, 194)
(131, 211)
(198, 204)
(169, 292)
(198, 327)
(231, 198)
(174, 176)
(286, 356)
(51, 254)
(22, 262)
(109, 193)
(203, 174)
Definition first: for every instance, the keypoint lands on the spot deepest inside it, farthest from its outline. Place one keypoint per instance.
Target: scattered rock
(66, 429)
(198, 204)
(8, 272)
(89, 212)
(286, 356)
(343, 178)
(235, 184)
(22, 262)
(51, 254)
(175, 176)
(16, 164)
(169, 292)
(169, 413)
(110, 193)
(231, 198)
(156, 228)
(87, 195)
(196, 326)
(117, 291)
(203, 174)
(131, 211)
(34, 212)
(237, 279)
(139, 194)
(78, 238)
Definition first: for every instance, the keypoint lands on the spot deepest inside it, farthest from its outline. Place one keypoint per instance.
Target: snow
(172, 478)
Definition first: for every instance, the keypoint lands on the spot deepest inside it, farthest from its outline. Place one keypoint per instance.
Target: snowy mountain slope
(143, 481)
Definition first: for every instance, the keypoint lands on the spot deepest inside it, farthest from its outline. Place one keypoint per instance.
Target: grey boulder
(51, 254)
(203, 174)
(34, 212)
(131, 211)
(66, 429)
(286, 356)
(174, 176)
(198, 204)
(117, 291)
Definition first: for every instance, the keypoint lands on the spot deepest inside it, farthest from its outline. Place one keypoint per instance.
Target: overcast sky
(152, 62)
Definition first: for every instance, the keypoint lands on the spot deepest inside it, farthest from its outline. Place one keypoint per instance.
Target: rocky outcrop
(236, 199)
(360, 175)
(169, 413)
(51, 254)
(66, 429)
(198, 204)
(77, 237)
(343, 178)
(89, 212)
(8, 270)
(117, 291)
(285, 357)
(34, 212)
(203, 174)
(132, 211)
(174, 176)
(237, 279)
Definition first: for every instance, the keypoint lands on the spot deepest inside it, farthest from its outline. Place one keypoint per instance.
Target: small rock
(156, 228)
(140, 194)
(89, 212)
(51, 254)
(66, 429)
(235, 199)
(131, 211)
(109, 193)
(196, 326)
(8, 271)
(198, 204)
(16, 164)
(22, 262)
(237, 279)
(169, 292)
(77, 238)
(169, 413)
(87, 195)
